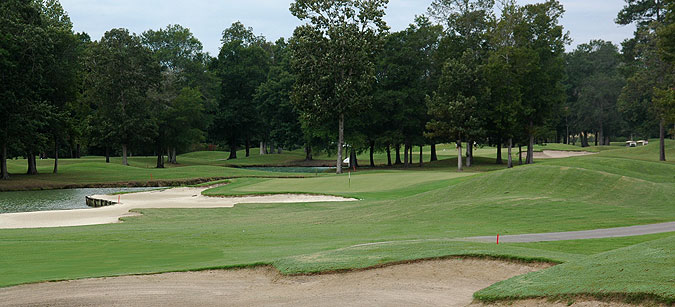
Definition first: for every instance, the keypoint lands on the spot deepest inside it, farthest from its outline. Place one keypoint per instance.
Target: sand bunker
(557, 154)
(441, 283)
(170, 198)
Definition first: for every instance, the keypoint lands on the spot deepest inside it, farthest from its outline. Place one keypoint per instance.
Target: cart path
(584, 234)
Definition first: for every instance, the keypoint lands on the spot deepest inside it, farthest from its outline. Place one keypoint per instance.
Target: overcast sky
(584, 19)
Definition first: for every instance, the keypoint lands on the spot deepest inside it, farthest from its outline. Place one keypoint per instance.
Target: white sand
(170, 198)
(557, 154)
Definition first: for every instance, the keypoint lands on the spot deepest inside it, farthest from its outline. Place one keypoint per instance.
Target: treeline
(470, 72)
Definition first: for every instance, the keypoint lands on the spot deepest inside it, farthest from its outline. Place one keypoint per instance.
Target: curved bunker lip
(184, 198)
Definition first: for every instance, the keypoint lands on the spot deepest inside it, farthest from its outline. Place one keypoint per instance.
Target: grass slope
(633, 273)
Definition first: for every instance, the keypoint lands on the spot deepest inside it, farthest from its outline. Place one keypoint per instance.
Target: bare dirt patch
(449, 282)
(170, 198)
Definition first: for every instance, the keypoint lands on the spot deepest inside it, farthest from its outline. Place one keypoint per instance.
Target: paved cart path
(584, 234)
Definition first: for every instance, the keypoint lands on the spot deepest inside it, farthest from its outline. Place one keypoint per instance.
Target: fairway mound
(186, 197)
(557, 154)
(429, 283)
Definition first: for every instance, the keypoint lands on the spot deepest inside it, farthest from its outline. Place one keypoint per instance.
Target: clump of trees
(471, 72)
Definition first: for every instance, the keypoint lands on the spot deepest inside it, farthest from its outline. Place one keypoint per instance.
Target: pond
(27, 201)
(292, 169)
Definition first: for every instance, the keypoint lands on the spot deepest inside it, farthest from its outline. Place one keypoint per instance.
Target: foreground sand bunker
(170, 198)
(431, 283)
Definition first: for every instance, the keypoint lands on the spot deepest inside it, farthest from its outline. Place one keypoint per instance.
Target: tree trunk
(405, 155)
(469, 150)
(499, 152)
(32, 164)
(174, 159)
(107, 154)
(596, 138)
(421, 155)
(520, 154)
(662, 140)
(410, 156)
(124, 155)
(372, 150)
(262, 148)
(78, 151)
(607, 141)
(434, 157)
(248, 147)
(233, 152)
(56, 157)
(459, 155)
(388, 155)
(356, 159)
(279, 150)
(160, 159)
(341, 138)
(510, 158)
(4, 173)
(308, 152)
(601, 136)
(398, 154)
(530, 145)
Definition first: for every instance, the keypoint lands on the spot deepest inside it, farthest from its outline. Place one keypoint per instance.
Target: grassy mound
(635, 273)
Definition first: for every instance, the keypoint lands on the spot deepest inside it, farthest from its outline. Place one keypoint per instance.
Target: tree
(542, 40)
(38, 59)
(406, 74)
(594, 84)
(63, 73)
(242, 65)
(123, 72)
(651, 67)
(186, 89)
(504, 73)
(465, 42)
(279, 121)
(454, 105)
(333, 57)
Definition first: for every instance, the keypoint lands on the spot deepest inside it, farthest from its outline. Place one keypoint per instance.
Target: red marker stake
(118, 199)
(150, 176)
(497, 238)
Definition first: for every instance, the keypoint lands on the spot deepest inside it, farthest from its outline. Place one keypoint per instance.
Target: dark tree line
(472, 72)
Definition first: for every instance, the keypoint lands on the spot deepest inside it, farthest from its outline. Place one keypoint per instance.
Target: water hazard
(28, 201)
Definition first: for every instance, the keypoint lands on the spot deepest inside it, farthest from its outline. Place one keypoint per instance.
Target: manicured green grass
(402, 215)
(634, 273)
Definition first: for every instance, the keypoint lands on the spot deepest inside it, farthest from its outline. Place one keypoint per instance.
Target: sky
(584, 19)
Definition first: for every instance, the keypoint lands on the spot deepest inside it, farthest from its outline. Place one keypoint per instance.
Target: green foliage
(594, 84)
(242, 65)
(122, 73)
(334, 59)
(279, 120)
